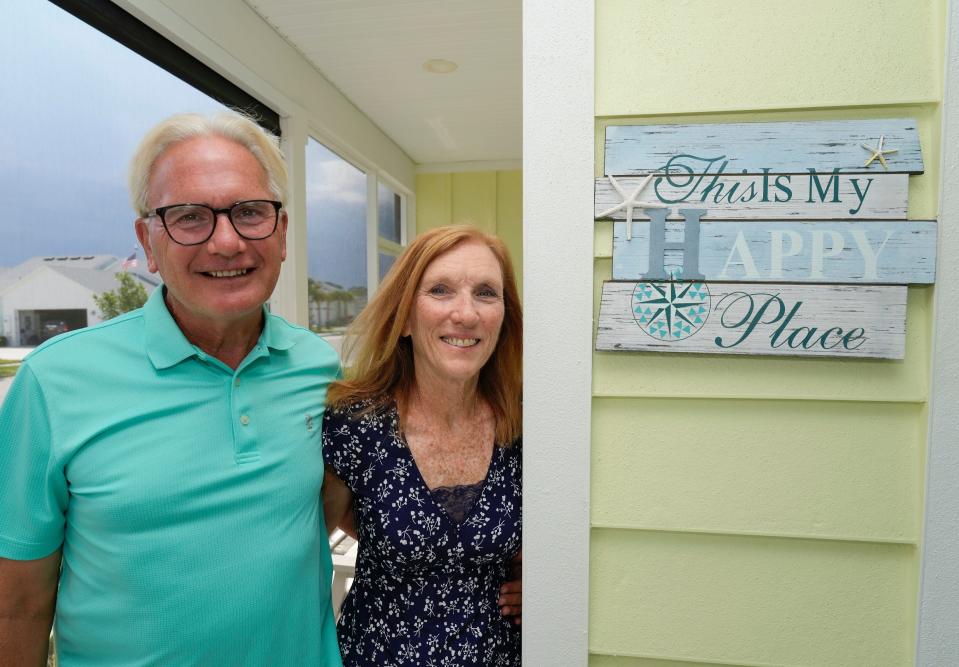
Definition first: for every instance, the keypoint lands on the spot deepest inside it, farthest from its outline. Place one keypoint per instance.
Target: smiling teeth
(462, 342)
(228, 274)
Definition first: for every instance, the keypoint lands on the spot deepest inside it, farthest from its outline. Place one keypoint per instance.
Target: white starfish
(878, 153)
(629, 203)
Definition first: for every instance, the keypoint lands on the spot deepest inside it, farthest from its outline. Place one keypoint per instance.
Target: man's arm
(511, 592)
(337, 501)
(28, 595)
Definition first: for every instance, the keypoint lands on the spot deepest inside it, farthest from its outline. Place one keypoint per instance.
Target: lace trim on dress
(458, 500)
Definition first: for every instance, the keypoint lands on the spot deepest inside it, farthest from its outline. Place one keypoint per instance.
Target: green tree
(130, 295)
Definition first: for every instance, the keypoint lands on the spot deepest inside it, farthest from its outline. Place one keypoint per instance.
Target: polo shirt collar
(276, 334)
(167, 346)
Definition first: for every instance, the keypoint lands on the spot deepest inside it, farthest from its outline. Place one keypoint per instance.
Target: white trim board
(558, 85)
(937, 642)
(477, 165)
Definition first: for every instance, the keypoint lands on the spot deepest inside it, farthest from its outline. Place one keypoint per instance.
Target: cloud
(334, 179)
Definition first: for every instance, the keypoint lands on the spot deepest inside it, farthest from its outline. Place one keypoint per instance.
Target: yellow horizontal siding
(718, 466)
(702, 55)
(596, 660)
(751, 601)
(845, 471)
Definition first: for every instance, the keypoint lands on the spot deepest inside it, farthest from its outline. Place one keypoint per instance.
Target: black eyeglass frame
(161, 213)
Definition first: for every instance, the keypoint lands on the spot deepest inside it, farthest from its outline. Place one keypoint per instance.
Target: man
(169, 459)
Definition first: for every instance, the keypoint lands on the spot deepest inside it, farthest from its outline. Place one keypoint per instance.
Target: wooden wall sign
(815, 320)
(758, 148)
(784, 196)
(762, 238)
(896, 252)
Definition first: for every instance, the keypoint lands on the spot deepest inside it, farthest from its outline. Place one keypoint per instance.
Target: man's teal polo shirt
(186, 495)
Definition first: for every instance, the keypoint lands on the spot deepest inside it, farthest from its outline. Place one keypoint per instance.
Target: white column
(938, 633)
(558, 121)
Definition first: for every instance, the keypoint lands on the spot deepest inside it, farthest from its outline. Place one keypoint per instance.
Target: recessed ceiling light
(440, 66)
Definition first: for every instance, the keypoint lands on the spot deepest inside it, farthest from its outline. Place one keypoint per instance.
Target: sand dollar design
(670, 310)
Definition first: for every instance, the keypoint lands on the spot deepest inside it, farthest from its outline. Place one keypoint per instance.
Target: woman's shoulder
(511, 455)
(365, 412)
(362, 406)
(353, 432)
(514, 446)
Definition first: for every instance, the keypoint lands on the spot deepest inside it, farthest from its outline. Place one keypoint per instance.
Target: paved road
(15, 353)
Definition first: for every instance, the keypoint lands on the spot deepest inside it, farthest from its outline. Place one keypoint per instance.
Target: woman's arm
(348, 526)
(337, 501)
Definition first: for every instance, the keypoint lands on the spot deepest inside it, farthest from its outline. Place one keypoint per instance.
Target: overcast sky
(74, 104)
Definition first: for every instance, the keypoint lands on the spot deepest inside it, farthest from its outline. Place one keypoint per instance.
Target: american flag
(130, 262)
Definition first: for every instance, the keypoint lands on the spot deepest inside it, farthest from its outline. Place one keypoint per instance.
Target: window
(342, 269)
(385, 264)
(78, 103)
(336, 209)
(389, 213)
(391, 226)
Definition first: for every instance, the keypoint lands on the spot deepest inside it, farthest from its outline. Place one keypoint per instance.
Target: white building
(57, 292)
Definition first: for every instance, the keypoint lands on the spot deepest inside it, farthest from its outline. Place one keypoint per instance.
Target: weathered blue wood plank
(755, 148)
(895, 252)
(771, 196)
(750, 318)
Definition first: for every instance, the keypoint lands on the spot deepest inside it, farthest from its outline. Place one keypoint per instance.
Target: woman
(422, 440)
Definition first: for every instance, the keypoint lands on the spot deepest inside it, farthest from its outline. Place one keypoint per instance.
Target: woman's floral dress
(426, 586)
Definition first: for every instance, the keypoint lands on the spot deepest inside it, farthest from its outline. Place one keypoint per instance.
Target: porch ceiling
(374, 51)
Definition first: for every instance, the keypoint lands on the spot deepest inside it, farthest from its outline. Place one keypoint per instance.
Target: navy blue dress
(426, 586)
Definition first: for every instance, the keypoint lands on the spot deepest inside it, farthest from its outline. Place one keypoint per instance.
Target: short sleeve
(341, 446)
(33, 490)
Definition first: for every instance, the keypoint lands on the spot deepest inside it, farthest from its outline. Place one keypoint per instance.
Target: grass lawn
(8, 368)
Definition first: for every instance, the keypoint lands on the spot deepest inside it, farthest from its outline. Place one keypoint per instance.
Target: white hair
(230, 125)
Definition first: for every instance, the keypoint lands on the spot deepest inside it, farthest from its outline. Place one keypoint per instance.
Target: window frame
(388, 246)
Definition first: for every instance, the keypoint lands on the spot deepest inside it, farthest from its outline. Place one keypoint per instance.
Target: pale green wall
(490, 200)
(761, 511)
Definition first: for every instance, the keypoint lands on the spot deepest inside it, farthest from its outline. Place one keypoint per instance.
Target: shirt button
(244, 420)
(236, 382)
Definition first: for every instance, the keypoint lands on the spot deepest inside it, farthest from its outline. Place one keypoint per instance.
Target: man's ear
(281, 230)
(143, 236)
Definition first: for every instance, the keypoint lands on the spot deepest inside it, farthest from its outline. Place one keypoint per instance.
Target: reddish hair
(382, 358)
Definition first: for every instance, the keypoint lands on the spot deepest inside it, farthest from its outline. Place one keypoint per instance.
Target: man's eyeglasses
(193, 224)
